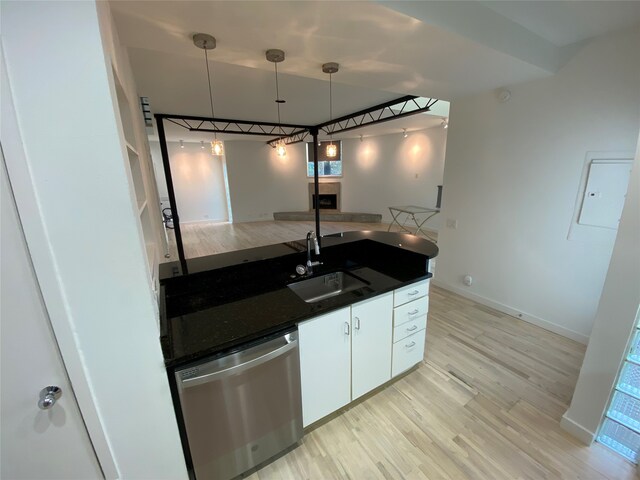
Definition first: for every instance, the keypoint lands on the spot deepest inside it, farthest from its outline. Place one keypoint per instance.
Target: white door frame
(46, 271)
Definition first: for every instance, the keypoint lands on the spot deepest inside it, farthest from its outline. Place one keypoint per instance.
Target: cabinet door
(411, 292)
(408, 352)
(372, 344)
(325, 356)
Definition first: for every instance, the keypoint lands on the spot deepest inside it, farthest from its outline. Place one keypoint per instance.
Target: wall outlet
(451, 223)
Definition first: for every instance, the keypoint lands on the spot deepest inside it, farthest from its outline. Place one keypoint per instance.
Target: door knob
(48, 397)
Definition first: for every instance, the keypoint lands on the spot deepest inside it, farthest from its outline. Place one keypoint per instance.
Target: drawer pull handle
(346, 328)
(413, 312)
(415, 292)
(415, 327)
(409, 345)
(357, 325)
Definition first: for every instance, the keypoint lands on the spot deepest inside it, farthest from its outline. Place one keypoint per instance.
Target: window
(327, 167)
(620, 429)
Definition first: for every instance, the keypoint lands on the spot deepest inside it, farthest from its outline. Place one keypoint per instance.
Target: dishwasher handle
(209, 377)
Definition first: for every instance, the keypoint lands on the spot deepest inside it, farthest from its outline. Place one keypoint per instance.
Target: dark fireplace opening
(327, 201)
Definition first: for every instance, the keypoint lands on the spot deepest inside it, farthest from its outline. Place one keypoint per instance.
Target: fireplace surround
(329, 193)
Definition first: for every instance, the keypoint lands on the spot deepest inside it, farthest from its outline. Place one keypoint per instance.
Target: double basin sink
(319, 288)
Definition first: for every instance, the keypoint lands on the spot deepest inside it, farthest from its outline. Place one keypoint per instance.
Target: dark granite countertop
(230, 299)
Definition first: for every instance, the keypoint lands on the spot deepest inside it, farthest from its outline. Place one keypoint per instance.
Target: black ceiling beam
(368, 110)
(241, 132)
(383, 112)
(227, 120)
(295, 137)
(377, 114)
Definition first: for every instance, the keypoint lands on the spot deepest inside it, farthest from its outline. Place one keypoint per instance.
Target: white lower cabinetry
(325, 364)
(409, 326)
(371, 344)
(407, 352)
(348, 353)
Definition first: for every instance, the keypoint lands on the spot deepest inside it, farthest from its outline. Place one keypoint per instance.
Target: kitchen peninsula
(253, 359)
(236, 297)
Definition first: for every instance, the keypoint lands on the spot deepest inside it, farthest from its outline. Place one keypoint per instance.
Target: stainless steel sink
(319, 288)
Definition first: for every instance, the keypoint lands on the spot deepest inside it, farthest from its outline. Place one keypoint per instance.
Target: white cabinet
(408, 352)
(371, 344)
(410, 292)
(325, 364)
(348, 353)
(344, 355)
(409, 326)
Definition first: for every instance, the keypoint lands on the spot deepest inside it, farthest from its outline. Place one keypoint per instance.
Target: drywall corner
(583, 434)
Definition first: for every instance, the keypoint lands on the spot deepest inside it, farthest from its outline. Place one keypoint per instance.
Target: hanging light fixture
(207, 42)
(276, 56)
(404, 133)
(331, 68)
(445, 123)
(181, 144)
(202, 144)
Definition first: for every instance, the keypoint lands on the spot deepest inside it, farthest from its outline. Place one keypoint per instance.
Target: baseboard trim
(552, 327)
(583, 434)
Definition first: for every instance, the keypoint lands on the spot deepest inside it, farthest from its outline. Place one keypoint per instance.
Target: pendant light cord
(331, 104)
(206, 58)
(275, 64)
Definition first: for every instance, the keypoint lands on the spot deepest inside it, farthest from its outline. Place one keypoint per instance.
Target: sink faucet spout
(311, 236)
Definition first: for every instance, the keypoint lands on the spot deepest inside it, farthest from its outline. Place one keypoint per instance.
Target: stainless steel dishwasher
(242, 409)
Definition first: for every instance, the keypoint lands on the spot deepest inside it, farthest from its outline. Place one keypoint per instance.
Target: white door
(35, 443)
(325, 364)
(605, 193)
(371, 344)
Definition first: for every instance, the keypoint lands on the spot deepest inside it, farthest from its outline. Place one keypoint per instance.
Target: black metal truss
(242, 127)
(291, 133)
(295, 137)
(392, 110)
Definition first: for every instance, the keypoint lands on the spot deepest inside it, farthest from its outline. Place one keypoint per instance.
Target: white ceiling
(567, 22)
(385, 49)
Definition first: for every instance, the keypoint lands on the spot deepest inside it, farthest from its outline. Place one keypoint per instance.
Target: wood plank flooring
(484, 404)
(200, 239)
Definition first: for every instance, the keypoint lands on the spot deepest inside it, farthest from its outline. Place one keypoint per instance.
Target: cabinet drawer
(409, 328)
(410, 311)
(410, 292)
(408, 352)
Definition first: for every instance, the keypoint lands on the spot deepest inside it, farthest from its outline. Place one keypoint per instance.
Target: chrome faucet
(308, 268)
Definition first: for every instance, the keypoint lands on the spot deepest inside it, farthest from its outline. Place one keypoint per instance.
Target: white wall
(377, 172)
(261, 183)
(90, 264)
(390, 170)
(614, 323)
(198, 181)
(511, 179)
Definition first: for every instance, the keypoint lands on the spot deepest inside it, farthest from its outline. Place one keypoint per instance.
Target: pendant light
(207, 42)
(331, 68)
(276, 56)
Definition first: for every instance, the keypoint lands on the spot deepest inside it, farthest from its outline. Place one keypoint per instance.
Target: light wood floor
(200, 239)
(484, 404)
